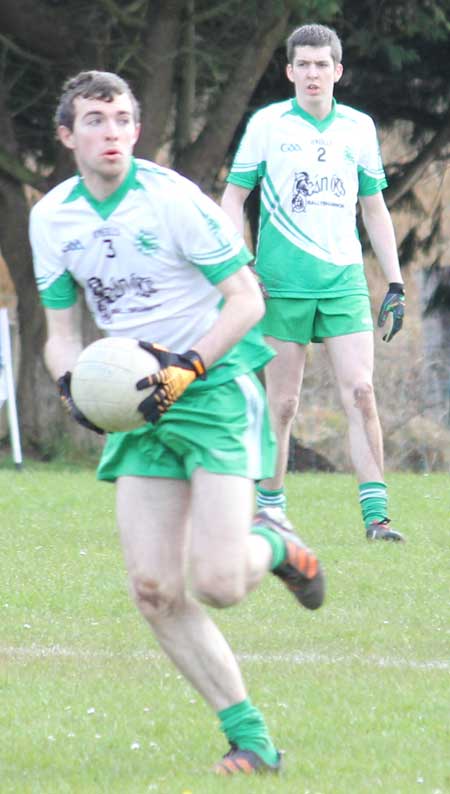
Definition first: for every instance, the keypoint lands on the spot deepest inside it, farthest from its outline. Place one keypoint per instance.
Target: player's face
(102, 140)
(314, 74)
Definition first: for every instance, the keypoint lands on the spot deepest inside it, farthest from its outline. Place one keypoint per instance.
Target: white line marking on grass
(375, 661)
(45, 652)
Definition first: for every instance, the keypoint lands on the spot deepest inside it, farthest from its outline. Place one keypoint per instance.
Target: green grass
(356, 694)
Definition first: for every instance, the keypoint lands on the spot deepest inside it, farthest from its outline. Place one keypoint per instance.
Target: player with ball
(160, 263)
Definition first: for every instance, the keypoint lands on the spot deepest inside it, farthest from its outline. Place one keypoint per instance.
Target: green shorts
(224, 429)
(306, 320)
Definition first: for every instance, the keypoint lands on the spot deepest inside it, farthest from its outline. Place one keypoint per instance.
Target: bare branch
(212, 12)
(127, 17)
(415, 168)
(16, 169)
(202, 159)
(24, 53)
(43, 30)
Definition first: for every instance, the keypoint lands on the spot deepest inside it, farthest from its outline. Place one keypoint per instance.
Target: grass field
(357, 694)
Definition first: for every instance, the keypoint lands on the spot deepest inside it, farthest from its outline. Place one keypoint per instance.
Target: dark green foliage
(395, 58)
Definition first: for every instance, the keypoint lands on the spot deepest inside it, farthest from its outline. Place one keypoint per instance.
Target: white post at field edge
(7, 389)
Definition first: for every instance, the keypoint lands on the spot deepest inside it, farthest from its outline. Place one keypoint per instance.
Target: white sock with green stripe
(272, 498)
(373, 501)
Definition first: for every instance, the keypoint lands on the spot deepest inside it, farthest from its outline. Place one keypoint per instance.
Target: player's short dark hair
(314, 36)
(92, 85)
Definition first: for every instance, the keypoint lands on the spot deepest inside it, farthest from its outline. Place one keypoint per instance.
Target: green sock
(244, 725)
(266, 498)
(276, 542)
(373, 500)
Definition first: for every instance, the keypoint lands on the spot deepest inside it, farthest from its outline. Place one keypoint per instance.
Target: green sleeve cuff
(217, 273)
(61, 294)
(248, 181)
(369, 185)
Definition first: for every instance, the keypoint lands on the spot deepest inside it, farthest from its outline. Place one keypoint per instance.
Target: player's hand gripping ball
(393, 305)
(178, 371)
(103, 384)
(63, 384)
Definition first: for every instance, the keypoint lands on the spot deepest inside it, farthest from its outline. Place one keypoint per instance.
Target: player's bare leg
(352, 359)
(283, 382)
(152, 520)
(155, 537)
(227, 560)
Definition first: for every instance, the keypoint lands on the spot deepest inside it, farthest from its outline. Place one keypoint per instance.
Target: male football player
(160, 262)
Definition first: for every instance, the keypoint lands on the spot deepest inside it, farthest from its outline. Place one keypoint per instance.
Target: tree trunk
(156, 89)
(33, 379)
(436, 343)
(14, 211)
(41, 418)
(186, 82)
(201, 161)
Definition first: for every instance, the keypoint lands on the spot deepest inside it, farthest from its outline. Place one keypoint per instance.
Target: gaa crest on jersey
(348, 155)
(146, 242)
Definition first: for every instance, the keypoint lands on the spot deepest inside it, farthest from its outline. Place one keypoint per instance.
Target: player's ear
(137, 132)
(338, 72)
(289, 72)
(65, 135)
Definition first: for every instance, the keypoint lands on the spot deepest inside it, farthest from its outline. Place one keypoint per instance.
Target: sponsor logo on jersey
(106, 295)
(290, 147)
(107, 231)
(306, 186)
(72, 245)
(146, 242)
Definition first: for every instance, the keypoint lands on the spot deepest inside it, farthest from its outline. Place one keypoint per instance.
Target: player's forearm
(381, 234)
(232, 203)
(61, 355)
(64, 342)
(239, 313)
(385, 249)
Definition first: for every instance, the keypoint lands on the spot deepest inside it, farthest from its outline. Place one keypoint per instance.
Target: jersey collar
(321, 125)
(106, 207)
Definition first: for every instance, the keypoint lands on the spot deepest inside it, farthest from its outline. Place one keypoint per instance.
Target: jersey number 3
(110, 250)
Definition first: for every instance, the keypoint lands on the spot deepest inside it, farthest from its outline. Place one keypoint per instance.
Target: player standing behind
(160, 262)
(314, 160)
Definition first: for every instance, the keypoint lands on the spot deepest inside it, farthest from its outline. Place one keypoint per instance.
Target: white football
(104, 379)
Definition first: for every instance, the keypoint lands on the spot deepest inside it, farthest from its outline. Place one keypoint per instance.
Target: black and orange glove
(393, 304)
(63, 384)
(177, 372)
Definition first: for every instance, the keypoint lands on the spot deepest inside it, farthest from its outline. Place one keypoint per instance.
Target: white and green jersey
(148, 259)
(311, 174)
